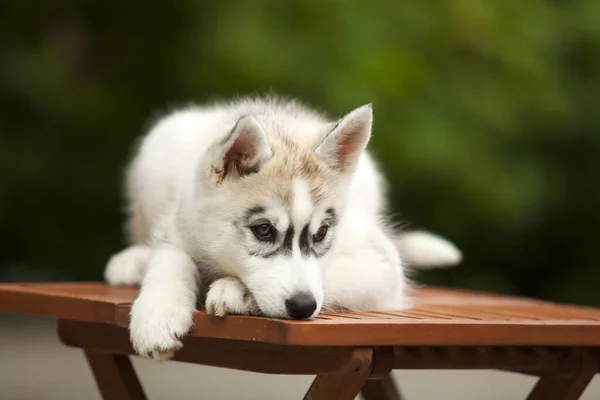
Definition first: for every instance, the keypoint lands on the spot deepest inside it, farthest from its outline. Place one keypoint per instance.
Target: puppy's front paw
(229, 296)
(128, 267)
(156, 327)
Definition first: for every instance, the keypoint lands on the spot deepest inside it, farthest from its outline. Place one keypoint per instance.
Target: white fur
(162, 313)
(424, 250)
(128, 267)
(226, 296)
(302, 206)
(190, 187)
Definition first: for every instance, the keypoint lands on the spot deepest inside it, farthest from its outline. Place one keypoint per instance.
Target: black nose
(301, 305)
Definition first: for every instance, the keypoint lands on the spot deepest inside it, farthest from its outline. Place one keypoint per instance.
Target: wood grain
(440, 318)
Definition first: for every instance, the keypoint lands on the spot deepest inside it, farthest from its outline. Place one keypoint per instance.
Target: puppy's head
(269, 204)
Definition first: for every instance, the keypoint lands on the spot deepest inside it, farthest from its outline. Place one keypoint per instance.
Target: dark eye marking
(305, 238)
(264, 232)
(288, 240)
(285, 248)
(320, 235)
(253, 211)
(331, 216)
(304, 243)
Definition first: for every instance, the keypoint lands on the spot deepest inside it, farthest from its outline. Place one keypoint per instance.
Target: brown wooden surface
(308, 360)
(233, 354)
(440, 318)
(345, 386)
(91, 302)
(567, 383)
(115, 376)
(529, 360)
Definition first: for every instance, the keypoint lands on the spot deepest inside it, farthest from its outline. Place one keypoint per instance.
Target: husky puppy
(259, 206)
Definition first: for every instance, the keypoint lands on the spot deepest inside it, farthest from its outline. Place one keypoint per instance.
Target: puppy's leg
(229, 296)
(366, 277)
(128, 267)
(162, 313)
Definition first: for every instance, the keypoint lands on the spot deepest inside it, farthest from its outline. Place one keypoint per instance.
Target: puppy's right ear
(342, 146)
(239, 153)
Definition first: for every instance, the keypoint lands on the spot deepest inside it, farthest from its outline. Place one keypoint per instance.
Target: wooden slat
(402, 314)
(94, 291)
(440, 318)
(233, 354)
(530, 360)
(91, 302)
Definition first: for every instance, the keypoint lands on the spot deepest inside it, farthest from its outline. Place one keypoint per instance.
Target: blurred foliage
(486, 119)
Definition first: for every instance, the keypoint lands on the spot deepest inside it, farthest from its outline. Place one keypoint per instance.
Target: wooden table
(350, 352)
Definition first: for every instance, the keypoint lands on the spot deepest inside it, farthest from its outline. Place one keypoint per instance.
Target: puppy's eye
(264, 232)
(321, 233)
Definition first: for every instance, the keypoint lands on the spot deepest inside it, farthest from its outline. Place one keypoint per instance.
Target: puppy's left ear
(342, 146)
(241, 152)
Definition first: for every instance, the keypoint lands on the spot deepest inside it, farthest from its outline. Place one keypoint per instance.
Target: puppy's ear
(342, 146)
(240, 153)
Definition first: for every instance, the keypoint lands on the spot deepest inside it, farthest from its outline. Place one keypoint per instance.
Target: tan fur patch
(290, 161)
(299, 163)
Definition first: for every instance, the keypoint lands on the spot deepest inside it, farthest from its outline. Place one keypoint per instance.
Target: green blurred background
(487, 115)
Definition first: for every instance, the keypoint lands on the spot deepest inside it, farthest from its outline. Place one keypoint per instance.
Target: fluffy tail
(420, 249)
